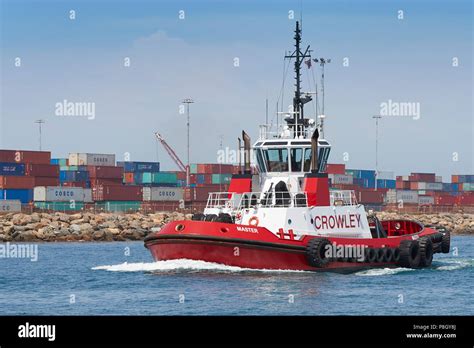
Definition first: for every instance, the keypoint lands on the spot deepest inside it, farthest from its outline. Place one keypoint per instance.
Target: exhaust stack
(246, 139)
(314, 151)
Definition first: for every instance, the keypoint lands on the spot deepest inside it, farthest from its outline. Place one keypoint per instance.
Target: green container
(164, 178)
(60, 206)
(468, 186)
(119, 206)
(221, 178)
(145, 178)
(193, 168)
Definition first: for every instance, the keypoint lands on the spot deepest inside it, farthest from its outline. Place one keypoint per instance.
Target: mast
(296, 121)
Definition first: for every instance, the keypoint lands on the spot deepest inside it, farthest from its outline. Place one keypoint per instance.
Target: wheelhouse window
(276, 160)
(307, 160)
(261, 163)
(296, 159)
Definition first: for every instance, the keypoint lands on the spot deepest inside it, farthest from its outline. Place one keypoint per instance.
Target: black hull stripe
(166, 239)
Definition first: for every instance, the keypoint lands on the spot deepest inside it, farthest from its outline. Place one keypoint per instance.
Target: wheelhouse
(289, 156)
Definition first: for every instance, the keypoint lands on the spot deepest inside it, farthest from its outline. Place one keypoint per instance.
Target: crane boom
(171, 152)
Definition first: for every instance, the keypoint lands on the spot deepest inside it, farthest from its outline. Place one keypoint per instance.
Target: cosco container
(162, 194)
(10, 206)
(134, 167)
(23, 195)
(58, 194)
(91, 159)
(341, 179)
(20, 156)
(17, 169)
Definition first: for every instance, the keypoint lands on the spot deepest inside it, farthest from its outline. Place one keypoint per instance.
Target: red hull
(252, 247)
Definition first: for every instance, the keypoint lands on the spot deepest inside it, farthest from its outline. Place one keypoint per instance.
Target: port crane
(171, 152)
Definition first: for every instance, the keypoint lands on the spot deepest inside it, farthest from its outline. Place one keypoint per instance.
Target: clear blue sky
(407, 60)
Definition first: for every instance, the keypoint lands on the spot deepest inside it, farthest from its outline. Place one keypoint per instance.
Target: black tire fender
(426, 252)
(409, 253)
(316, 252)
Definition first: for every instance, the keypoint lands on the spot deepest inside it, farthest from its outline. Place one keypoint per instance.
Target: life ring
(253, 221)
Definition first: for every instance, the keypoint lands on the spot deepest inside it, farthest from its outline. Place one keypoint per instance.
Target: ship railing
(223, 200)
(342, 197)
(273, 200)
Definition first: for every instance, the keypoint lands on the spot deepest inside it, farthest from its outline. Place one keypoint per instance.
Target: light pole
(187, 101)
(377, 118)
(40, 122)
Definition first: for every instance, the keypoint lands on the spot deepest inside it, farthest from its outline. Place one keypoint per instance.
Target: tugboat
(286, 217)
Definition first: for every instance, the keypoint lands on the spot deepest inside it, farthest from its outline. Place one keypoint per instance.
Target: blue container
(14, 169)
(367, 174)
(139, 167)
(23, 195)
(385, 183)
(200, 179)
(74, 176)
(369, 183)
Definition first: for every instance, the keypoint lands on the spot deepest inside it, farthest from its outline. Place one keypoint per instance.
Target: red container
(128, 178)
(44, 170)
(192, 178)
(467, 198)
(402, 185)
(424, 177)
(201, 193)
(336, 168)
(445, 199)
(106, 182)
(370, 196)
(413, 185)
(17, 182)
(46, 181)
(105, 172)
(20, 156)
(82, 184)
(160, 206)
(117, 193)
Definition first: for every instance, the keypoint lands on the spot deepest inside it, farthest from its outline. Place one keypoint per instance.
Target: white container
(425, 200)
(341, 179)
(430, 186)
(407, 196)
(91, 159)
(385, 175)
(58, 194)
(10, 206)
(88, 195)
(438, 178)
(162, 193)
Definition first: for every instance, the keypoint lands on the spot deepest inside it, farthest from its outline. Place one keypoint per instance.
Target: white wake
(179, 264)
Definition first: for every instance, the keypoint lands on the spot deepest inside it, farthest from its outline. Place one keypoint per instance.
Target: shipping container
(60, 206)
(432, 186)
(425, 200)
(60, 161)
(462, 178)
(44, 170)
(404, 196)
(402, 185)
(156, 178)
(83, 184)
(438, 179)
(424, 177)
(105, 172)
(370, 196)
(58, 194)
(91, 159)
(119, 206)
(23, 195)
(106, 182)
(465, 199)
(117, 193)
(46, 181)
(466, 186)
(20, 156)
(128, 178)
(162, 194)
(193, 168)
(134, 167)
(10, 206)
(16, 169)
(341, 179)
(74, 176)
(385, 183)
(445, 199)
(17, 182)
(201, 194)
(332, 168)
(221, 178)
